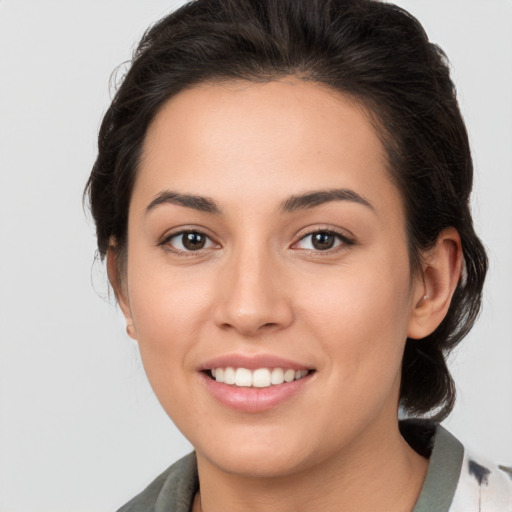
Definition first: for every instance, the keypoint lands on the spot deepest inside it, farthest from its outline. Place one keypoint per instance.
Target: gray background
(79, 427)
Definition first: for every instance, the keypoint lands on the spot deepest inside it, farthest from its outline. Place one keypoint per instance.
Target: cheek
(169, 313)
(169, 309)
(361, 319)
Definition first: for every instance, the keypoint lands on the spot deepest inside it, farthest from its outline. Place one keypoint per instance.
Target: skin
(259, 286)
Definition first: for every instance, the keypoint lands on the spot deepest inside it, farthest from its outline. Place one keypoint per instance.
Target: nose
(252, 295)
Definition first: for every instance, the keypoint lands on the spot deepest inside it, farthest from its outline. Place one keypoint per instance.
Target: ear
(118, 283)
(434, 288)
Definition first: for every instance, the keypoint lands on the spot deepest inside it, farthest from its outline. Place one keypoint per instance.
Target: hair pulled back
(375, 52)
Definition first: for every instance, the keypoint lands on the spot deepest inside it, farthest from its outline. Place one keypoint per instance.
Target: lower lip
(254, 399)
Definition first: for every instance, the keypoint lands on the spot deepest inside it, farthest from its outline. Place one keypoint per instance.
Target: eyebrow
(200, 203)
(292, 204)
(319, 197)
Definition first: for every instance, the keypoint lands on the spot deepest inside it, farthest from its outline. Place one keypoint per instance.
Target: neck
(369, 475)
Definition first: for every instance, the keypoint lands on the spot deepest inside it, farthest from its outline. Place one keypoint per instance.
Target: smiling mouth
(258, 378)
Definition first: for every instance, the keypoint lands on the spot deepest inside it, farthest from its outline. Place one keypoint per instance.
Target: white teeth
(229, 375)
(243, 377)
(277, 376)
(259, 378)
(289, 375)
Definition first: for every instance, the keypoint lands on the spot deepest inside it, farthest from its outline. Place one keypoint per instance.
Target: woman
(282, 197)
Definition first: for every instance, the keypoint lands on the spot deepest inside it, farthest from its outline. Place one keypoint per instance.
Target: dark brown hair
(375, 52)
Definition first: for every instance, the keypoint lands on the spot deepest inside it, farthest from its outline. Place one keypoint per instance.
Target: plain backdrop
(79, 427)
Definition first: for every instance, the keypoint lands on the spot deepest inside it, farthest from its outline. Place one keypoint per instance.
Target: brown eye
(188, 241)
(193, 241)
(322, 241)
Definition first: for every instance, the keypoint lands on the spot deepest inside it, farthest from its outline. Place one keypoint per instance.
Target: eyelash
(166, 243)
(341, 241)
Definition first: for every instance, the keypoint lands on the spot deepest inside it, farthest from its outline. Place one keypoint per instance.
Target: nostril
(252, 314)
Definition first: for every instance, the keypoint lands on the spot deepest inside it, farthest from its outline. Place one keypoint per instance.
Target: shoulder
(172, 491)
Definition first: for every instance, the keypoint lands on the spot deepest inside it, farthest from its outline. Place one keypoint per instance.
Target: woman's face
(266, 237)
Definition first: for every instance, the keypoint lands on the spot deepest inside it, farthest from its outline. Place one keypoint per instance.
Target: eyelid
(182, 230)
(344, 238)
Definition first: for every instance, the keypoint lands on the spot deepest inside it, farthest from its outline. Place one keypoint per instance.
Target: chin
(261, 456)
(257, 465)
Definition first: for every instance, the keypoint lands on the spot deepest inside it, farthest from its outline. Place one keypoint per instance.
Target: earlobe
(441, 271)
(119, 286)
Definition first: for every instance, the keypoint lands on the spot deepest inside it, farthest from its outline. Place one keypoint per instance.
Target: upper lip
(252, 362)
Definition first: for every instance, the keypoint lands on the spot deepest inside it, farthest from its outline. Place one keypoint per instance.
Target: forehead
(242, 139)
